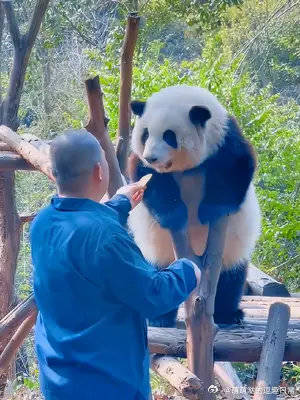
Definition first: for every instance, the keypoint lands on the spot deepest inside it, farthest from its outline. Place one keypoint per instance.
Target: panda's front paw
(232, 318)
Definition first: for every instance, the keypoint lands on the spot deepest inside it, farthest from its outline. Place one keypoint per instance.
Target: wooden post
(125, 89)
(199, 309)
(97, 125)
(9, 247)
(268, 375)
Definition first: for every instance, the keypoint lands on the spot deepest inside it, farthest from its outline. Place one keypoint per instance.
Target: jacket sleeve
(121, 204)
(138, 284)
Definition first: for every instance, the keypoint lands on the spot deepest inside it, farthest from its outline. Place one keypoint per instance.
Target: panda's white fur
(242, 233)
(169, 109)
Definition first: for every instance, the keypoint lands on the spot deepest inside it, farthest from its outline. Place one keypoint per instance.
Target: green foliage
(291, 373)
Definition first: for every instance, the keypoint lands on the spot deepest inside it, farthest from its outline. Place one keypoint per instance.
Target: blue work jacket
(94, 291)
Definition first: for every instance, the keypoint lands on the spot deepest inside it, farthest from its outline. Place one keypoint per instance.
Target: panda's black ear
(199, 115)
(138, 107)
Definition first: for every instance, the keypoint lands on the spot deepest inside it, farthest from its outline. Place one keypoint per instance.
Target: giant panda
(202, 169)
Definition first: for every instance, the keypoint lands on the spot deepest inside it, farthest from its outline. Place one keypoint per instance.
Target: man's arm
(121, 204)
(126, 198)
(136, 283)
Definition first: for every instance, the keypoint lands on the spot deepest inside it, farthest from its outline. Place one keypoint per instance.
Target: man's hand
(134, 192)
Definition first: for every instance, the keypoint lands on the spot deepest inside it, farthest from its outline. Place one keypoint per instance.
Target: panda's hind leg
(165, 321)
(229, 292)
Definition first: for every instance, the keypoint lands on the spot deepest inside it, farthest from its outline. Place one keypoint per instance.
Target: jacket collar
(75, 204)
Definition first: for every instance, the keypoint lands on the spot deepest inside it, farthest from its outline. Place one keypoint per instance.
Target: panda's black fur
(228, 173)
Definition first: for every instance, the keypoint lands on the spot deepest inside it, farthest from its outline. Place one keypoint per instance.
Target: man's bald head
(74, 156)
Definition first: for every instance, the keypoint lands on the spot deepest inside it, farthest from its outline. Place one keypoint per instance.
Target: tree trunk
(9, 247)
(23, 45)
(12, 100)
(1, 35)
(125, 89)
(46, 82)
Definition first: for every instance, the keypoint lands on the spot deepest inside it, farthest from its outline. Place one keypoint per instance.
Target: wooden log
(255, 307)
(237, 344)
(5, 147)
(16, 341)
(268, 375)
(34, 156)
(11, 161)
(230, 382)
(9, 248)
(178, 376)
(97, 125)
(26, 218)
(16, 317)
(127, 53)
(262, 284)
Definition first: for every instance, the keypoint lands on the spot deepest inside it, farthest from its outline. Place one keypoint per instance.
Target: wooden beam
(32, 155)
(268, 374)
(127, 53)
(16, 317)
(261, 284)
(12, 162)
(234, 344)
(15, 342)
(255, 307)
(26, 218)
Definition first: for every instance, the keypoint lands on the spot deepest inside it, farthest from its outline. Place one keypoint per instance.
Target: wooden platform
(234, 342)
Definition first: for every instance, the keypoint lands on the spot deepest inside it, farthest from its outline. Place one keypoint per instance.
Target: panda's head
(178, 128)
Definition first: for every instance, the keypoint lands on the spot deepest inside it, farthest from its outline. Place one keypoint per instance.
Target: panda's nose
(150, 160)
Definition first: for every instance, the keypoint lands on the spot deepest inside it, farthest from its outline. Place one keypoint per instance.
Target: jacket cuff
(189, 274)
(121, 204)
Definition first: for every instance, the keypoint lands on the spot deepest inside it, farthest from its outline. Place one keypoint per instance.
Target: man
(93, 288)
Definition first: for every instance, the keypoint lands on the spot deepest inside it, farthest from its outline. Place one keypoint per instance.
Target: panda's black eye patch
(170, 138)
(145, 136)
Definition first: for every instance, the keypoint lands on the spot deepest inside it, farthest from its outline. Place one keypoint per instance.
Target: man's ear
(98, 172)
(199, 115)
(138, 107)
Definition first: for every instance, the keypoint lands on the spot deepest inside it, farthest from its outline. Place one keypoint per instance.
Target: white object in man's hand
(134, 192)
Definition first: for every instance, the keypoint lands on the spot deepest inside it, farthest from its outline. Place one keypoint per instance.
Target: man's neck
(80, 195)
